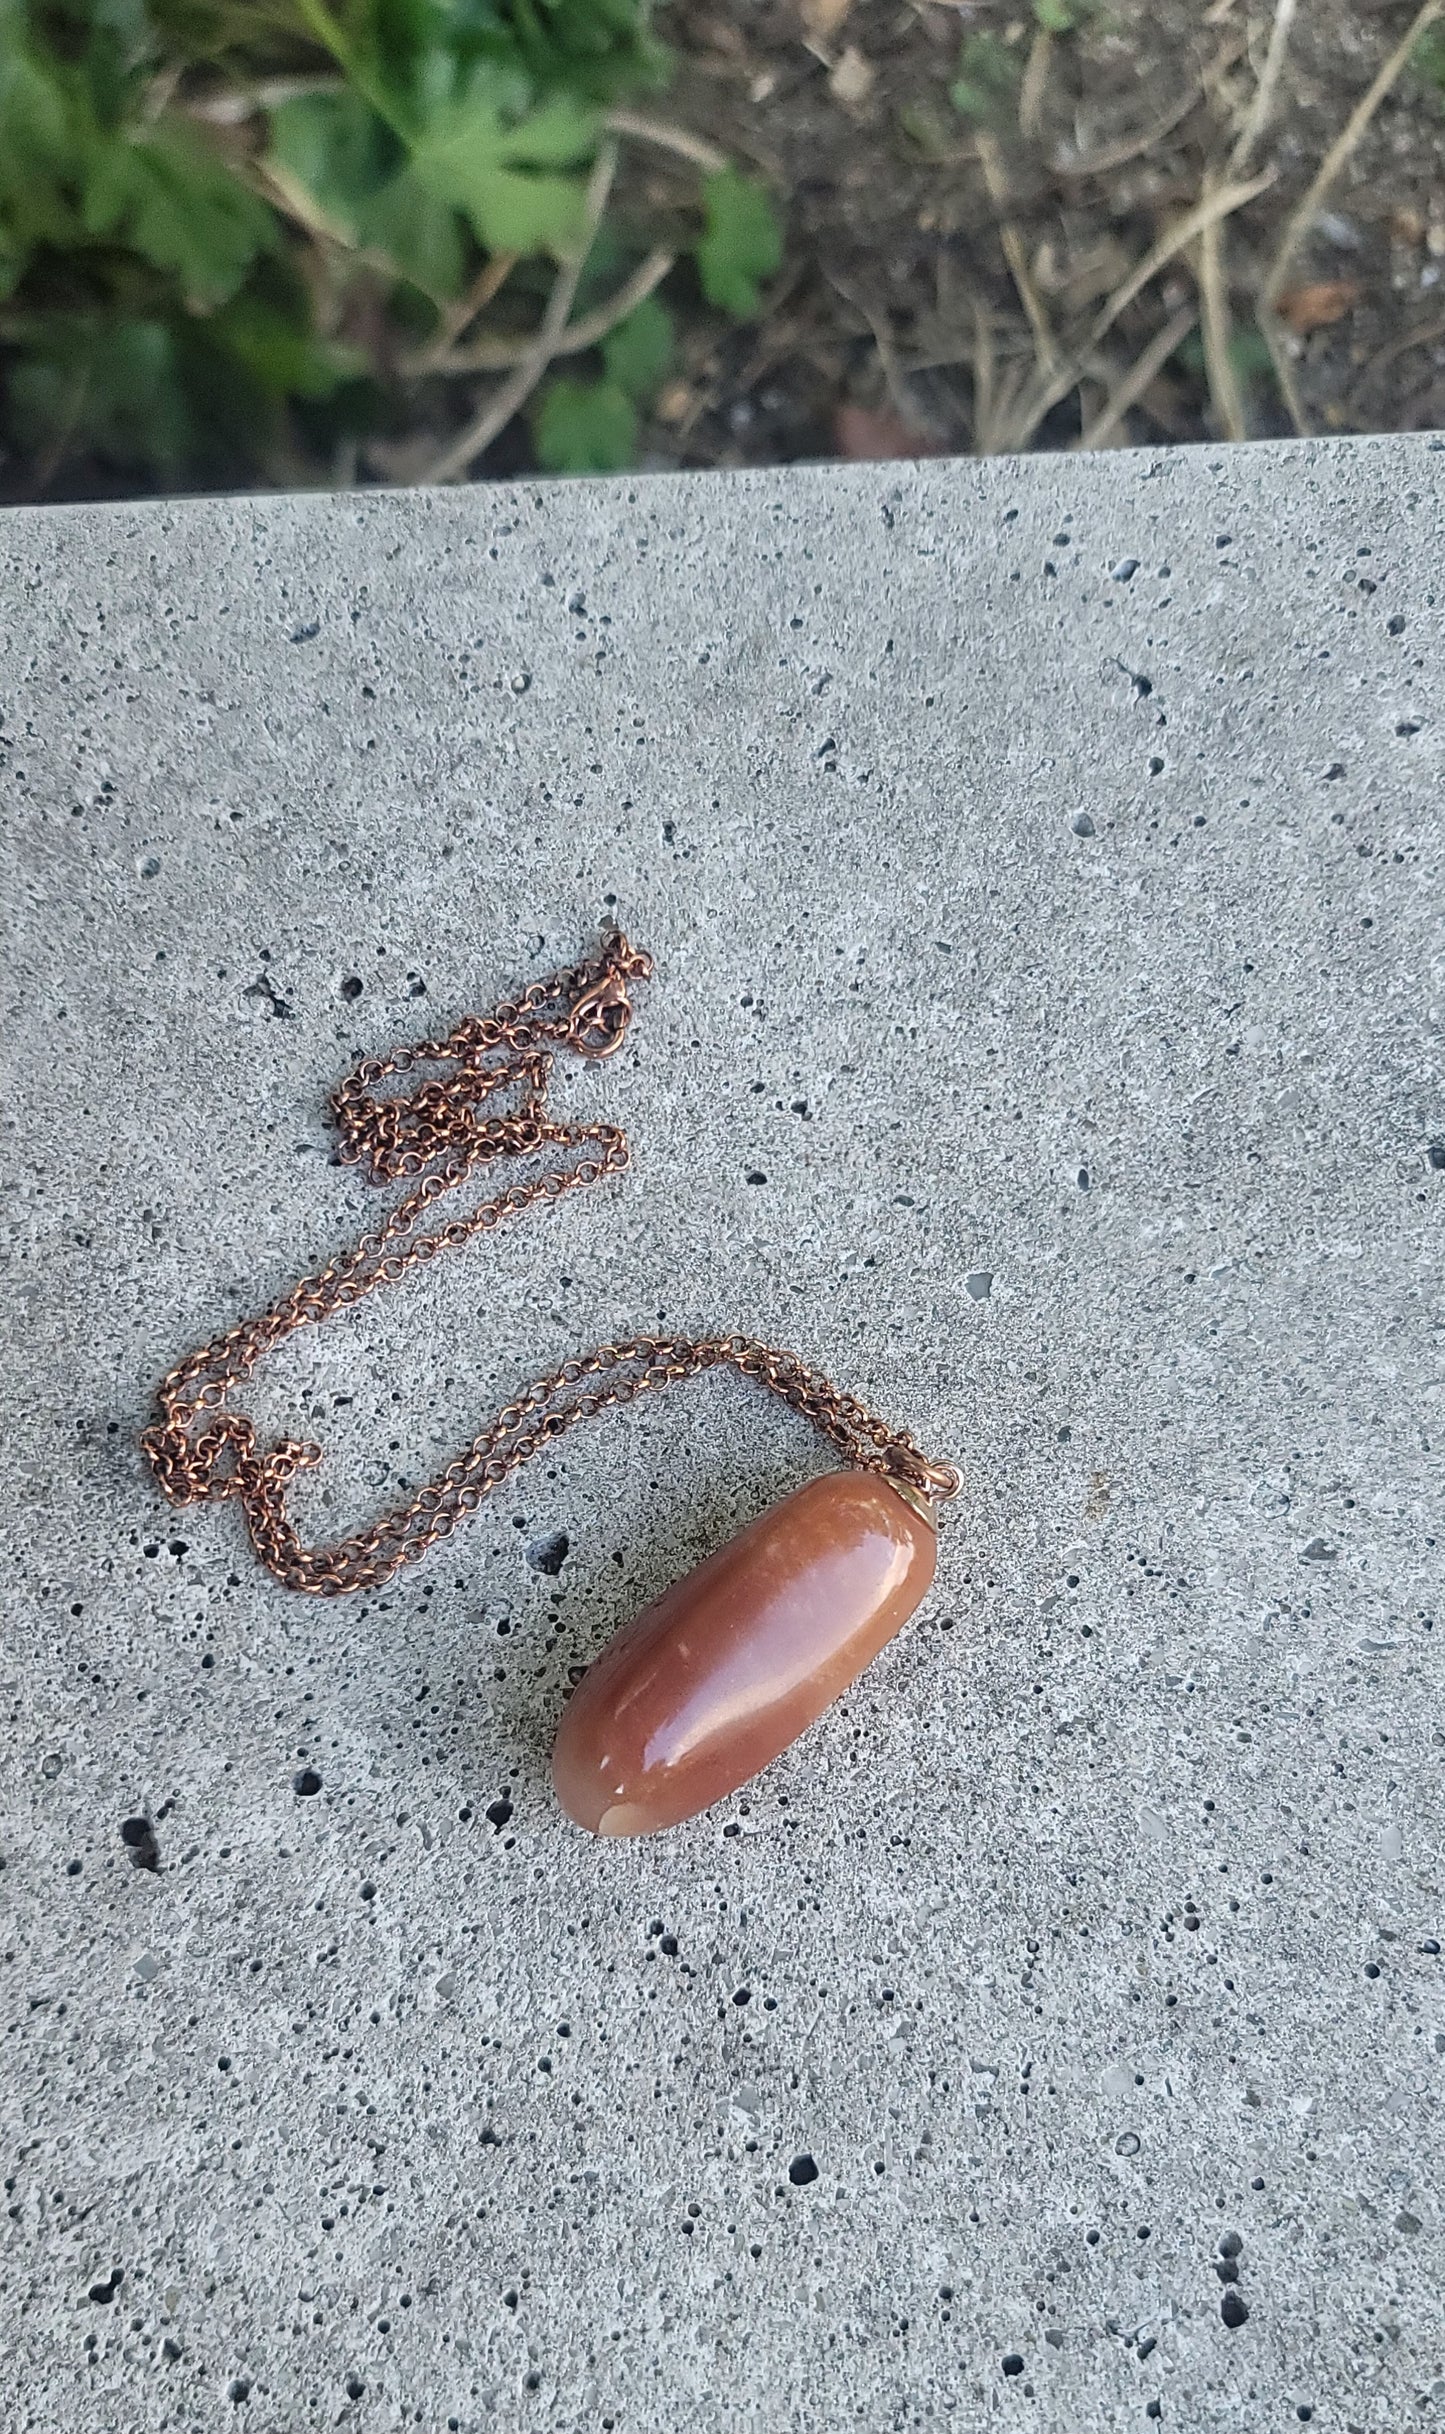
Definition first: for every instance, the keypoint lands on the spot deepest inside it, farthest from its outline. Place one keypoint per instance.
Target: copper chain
(203, 1452)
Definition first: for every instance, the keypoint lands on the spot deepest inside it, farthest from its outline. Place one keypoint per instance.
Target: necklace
(726, 1669)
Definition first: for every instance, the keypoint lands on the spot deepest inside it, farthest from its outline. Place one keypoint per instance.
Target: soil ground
(937, 267)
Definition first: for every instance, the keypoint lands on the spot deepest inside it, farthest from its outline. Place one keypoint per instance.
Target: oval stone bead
(704, 1688)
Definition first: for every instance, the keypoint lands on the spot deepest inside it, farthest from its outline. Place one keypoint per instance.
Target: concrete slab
(1044, 867)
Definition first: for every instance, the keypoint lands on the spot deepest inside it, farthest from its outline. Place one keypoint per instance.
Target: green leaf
(464, 158)
(988, 79)
(163, 193)
(110, 387)
(583, 426)
(505, 178)
(44, 129)
(558, 136)
(741, 242)
(416, 231)
(1248, 352)
(925, 126)
(638, 353)
(1428, 57)
(334, 146)
(597, 49)
(337, 150)
(12, 262)
(1250, 355)
(1055, 16)
(515, 214)
(34, 121)
(608, 262)
(282, 358)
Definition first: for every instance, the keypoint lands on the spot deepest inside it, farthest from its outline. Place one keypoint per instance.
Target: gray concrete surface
(1043, 863)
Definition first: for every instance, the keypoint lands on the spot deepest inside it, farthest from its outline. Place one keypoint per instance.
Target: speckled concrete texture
(1043, 864)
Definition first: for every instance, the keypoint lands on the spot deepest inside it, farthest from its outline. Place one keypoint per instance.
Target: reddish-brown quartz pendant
(704, 1688)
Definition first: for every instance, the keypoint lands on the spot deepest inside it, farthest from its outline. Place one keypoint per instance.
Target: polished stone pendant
(705, 1687)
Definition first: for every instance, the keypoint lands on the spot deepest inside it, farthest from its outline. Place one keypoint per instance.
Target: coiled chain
(438, 1134)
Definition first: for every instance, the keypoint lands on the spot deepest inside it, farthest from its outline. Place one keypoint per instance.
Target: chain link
(436, 1136)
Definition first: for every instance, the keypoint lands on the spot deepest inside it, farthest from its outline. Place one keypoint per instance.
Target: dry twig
(1216, 327)
(984, 366)
(1429, 335)
(500, 354)
(507, 400)
(667, 137)
(1045, 395)
(1214, 206)
(1262, 106)
(488, 283)
(1126, 392)
(229, 107)
(904, 404)
(1211, 260)
(1114, 156)
(1035, 83)
(1279, 356)
(1015, 253)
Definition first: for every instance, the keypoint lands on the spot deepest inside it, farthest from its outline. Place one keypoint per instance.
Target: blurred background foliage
(287, 243)
(237, 235)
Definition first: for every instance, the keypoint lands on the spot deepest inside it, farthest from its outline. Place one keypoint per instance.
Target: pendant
(704, 1688)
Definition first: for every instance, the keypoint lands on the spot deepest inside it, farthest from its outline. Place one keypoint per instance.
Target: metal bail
(912, 1495)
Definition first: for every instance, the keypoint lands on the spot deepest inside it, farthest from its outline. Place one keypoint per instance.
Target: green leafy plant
(591, 426)
(927, 130)
(1062, 16)
(239, 238)
(585, 426)
(1249, 356)
(986, 87)
(639, 352)
(742, 242)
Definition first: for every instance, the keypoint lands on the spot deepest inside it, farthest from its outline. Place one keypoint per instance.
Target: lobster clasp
(597, 1025)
